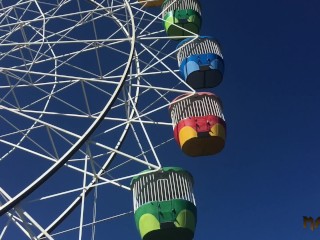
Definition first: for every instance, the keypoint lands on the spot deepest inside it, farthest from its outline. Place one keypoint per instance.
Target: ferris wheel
(89, 93)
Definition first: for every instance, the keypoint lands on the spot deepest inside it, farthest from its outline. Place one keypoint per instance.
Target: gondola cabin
(201, 62)
(151, 3)
(181, 17)
(199, 124)
(164, 204)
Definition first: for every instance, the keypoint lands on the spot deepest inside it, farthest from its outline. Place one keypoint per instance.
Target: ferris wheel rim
(55, 167)
(90, 186)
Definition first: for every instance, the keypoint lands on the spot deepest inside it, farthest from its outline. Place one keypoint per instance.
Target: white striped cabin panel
(198, 47)
(173, 5)
(203, 107)
(172, 186)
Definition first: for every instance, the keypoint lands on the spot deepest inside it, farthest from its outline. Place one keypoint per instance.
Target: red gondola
(199, 125)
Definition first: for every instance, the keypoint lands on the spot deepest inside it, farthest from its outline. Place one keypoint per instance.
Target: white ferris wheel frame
(133, 57)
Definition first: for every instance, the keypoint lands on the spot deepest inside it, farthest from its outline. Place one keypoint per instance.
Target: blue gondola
(201, 62)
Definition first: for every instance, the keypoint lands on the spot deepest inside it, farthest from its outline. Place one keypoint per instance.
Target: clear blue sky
(266, 178)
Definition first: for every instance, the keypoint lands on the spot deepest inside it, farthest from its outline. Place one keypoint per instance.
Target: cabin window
(198, 47)
(180, 5)
(203, 106)
(168, 186)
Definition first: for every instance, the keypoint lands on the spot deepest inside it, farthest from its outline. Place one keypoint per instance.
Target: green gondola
(164, 204)
(181, 17)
